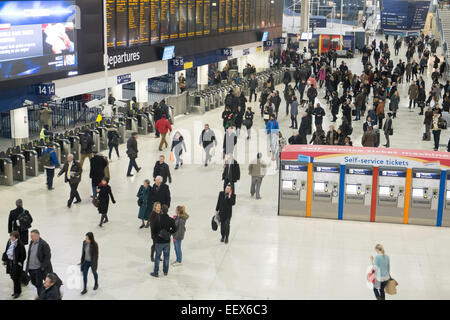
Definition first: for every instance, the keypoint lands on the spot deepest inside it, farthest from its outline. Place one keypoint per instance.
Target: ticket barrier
(293, 188)
(18, 165)
(446, 213)
(131, 126)
(424, 196)
(358, 193)
(120, 125)
(6, 170)
(325, 197)
(103, 136)
(142, 123)
(64, 145)
(75, 146)
(31, 159)
(96, 137)
(391, 195)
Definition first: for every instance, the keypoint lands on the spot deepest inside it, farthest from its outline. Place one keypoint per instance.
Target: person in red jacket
(163, 126)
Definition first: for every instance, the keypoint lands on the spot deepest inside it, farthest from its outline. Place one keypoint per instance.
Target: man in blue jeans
(164, 227)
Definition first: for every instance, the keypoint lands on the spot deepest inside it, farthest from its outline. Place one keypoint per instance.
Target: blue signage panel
(417, 14)
(295, 167)
(317, 22)
(427, 175)
(327, 169)
(390, 173)
(362, 172)
(302, 158)
(124, 78)
(45, 90)
(245, 52)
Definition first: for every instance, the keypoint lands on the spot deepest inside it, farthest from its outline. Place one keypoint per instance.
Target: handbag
(96, 202)
(354, 112)
(391, 131)
(172, 157)
(391, 287)
(140, 201)
(24, 278)
(215, 222)
(371, 276)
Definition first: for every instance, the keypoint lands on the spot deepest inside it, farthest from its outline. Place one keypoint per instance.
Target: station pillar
(19, 125)
(202, 77)
(141, 93)
(117, 92)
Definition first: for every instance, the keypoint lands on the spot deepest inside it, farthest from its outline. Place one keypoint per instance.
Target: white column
(202, 77)
(242, 62)
(177, 83)
(222, 64)
(117, 92)
(19, 125)
(141, 93)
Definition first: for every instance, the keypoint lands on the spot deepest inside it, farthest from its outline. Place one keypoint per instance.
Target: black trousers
(225, 227)
(50, 175)
(412, 102)
(16, 273)
(436, 136)
(252, 92)
(37, 279)
(74, 192)
(104, 218)
(132, 164)
(111, 147)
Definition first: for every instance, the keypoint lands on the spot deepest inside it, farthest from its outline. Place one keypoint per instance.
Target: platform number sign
(46, 90)
(227, 52)
(178, 62)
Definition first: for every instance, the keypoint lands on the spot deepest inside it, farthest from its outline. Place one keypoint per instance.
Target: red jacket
(163, 125)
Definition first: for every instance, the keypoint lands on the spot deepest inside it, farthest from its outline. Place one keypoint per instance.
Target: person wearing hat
(387, 129)
(51, 164)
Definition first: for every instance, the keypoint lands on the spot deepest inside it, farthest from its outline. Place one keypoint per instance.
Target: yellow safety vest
(42, 135)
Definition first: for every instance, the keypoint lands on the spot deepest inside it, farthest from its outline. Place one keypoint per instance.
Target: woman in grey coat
(177, 148)
(178, 236)
(145, 203)
(395, 100)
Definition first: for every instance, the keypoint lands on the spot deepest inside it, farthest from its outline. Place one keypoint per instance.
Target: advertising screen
(183, 19)
(265, 36)
(164, 27)
(168, 53)
(155, 9)
(133, 22)
(111, 23)
(144, 22)
(36, 37)
(199, 18)
(191, 18)
(121, 23)
(173, 19)
(206, 17)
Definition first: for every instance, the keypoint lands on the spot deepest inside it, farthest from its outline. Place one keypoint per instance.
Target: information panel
(221, 19)
(228, 15)
(155, 21)
(252, 14)
(394, 15)
(174, 19)
(164, 23)
(246, 14)
(191, 18)
(241, 15)
(272, 14)
(262, 21)
(214, 16)
(144, 22)
(199, 18)
(234, 15)
(183, 20)
(206, 17)
(133, 22)
(111, 23)
(122, 23)
(417, 14)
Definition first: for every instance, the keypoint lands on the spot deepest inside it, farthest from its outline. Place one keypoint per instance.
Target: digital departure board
(199, 18)
(144, 22)
(246, 14)
(214, 16)
(164, 21)
(221, 18)
(182, 31)
(155, 10)
(228, 15)
(234, 15)
(206, 17)
(133, 22)
(262, 21)
(272, 14)
(267, 21)
(258, 14)
(111, 23)
(251, 13)
(191, 18)
(173, 20)
(240, 25)
(121, 23)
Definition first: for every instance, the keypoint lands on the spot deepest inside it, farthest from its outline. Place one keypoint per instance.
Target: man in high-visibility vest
(45, 133)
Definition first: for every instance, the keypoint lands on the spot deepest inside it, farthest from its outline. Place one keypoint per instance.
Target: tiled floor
(268, 257)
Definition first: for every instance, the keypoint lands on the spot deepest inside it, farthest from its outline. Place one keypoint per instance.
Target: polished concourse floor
(268, 257)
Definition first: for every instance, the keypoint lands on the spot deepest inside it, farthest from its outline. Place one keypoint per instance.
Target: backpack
(114, 138)
(442, 124)
(24, 220)
(45, 159)
(84, 141)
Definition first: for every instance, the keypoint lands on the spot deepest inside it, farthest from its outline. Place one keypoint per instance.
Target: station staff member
(72, 174)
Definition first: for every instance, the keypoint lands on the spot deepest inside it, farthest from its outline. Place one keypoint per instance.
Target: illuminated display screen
(111, 26)
(246, 16)
(221, 18)
(36, 38)
(144, 22)
(121, 23)
(174, 19)
(384, 191)
(155, 9)
(240, 23)
(417, 193)
(288, 184)
(227, 24)
(168, 53)
(265, 36)
(319, 187)
(206, 17)
(191, 18)
(351, 189)
(164, 23)
(183, 19)
(199, 18)
(234, 15)
(133, 22)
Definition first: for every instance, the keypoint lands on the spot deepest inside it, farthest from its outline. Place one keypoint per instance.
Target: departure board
(221, 18)
(182, 31)
(235, 15)
(262, 21)
(173, 20)
(246, 14)
(155, 9)
(133, 22)
(228, 15)
(111, 23)
(206, 17)
(268, 12)
(198, 18)
(121, 23)
(258, 14)
(191, 18)
(144, 22)
(164, 21)
(214, 16)
(251, 14)
(272, 14)
(240, 25)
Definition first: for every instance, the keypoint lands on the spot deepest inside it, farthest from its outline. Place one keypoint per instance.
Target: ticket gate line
(309, 190)
(407, 195)
(442, 191)
(341, 192)
(373, 209)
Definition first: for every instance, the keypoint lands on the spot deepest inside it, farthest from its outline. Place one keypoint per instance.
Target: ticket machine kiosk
(293, 180)
(446, 211)
(424, 196)
(391, 194)
(358, 193)
(325, 191)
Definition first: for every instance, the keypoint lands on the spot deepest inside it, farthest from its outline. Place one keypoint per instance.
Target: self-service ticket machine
(391, 194)
(358, 193)
(293, 180)
(325, 189)
(424, 196)
(446, 211)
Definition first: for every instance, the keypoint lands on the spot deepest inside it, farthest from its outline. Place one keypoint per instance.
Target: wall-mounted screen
(191, 18)
(265, 36)
(144, 22)
(351, 189)
(168, 53)
(121, 23)
(417, 192)
(164, 27)
(111, 26)
(174, 19)
(199, 18)
(227, 24)
(221, 18)
(206, 17)
(183, 19)
(384, 191)
(36, 37)
(133, 22)
(155, 8)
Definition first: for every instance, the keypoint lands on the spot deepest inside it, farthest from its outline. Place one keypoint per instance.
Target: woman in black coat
(104, 192)
(89, 259)
(14, 257)
(242, 101)
(238, 118)
(97, 172)
(248, 120)
(157, 114)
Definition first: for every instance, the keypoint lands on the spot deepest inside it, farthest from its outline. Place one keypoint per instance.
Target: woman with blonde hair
(154, 216)
(178, 236)
(382, 271)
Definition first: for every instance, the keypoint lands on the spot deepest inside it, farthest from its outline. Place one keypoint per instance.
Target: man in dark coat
(97, 173)
(162, 169)
(72, 174)
(14, 224)
(38, 261)
(224, 207)
(335, 103)
(14, 261)
(51, 290)
(132, 152)
(253, 85)
(318, 113)
(86, 146)
(231, 172)
(311, 93)
(161, 192)
(303, 129)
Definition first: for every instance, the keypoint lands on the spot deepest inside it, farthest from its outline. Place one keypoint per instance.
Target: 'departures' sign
(404, 16)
